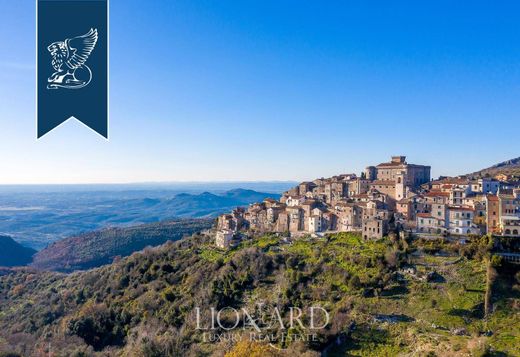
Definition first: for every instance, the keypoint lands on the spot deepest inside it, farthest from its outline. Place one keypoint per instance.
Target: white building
(293, 201)
(460, 221)
(485, 185)
(510, 226)
(223, 238)
(315, 224)
(426, 223)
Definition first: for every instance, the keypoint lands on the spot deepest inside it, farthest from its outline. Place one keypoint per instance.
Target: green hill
(14, 254)
(97, 248)
(384, 298)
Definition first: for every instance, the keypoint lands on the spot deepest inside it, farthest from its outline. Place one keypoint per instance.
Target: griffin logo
(68, 60)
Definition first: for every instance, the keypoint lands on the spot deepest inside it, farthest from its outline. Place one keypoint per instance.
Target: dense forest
(384, 297)
(101, 247)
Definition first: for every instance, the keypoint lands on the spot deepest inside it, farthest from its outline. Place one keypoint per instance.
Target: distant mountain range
(509, 167)
(36, 219)
(14, 254)
(208, 204)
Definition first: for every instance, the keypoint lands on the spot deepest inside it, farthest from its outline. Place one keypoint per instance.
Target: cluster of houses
(393, 195)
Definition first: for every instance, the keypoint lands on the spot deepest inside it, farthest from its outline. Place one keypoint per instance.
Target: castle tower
(371, 173)
(399, 159)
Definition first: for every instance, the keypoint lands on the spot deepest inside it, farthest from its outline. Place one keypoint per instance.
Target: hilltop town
(393, 196)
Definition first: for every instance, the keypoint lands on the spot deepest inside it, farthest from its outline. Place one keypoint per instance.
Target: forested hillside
(97, 248)
(384, 297)
(13, 254)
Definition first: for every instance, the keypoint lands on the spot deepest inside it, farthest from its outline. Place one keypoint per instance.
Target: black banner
(72, 64)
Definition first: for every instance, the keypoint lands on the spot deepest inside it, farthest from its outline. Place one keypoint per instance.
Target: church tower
(400, 185)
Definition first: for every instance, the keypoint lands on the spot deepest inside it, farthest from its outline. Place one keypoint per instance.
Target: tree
(491, 275)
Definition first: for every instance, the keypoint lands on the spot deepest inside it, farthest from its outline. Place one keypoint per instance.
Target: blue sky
(276, 90)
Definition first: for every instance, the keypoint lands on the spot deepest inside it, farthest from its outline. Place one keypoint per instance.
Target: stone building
(223, 238)
(416, 175)
(349, 216)
(492, 214)
(409, 207)
(384, 186)
(282, 224)
(374, 228)
(391, 195)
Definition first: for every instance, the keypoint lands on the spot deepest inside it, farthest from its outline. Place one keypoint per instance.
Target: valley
(36, 216)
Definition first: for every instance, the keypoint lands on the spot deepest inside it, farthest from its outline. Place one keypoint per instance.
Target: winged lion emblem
(68, 60)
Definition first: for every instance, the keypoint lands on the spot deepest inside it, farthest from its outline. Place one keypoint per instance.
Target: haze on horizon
(220, 91)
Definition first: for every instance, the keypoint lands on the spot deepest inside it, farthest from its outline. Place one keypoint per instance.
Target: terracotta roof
(341, 204)
(451, 180)
(492, 198)
(437, 194)
(360, 195)
(424, 215)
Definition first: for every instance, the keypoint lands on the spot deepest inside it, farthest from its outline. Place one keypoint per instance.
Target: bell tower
(400, 185)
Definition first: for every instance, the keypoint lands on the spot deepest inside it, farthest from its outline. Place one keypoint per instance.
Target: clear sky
(276, 90)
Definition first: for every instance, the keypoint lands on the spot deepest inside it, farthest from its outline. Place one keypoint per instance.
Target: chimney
(399, 159)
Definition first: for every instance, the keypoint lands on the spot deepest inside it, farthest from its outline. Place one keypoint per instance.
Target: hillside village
(392, 196)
